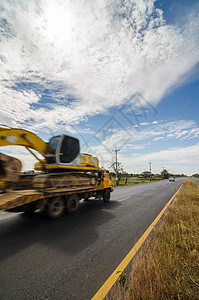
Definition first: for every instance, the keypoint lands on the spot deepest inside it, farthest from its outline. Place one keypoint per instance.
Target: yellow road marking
(102, 292)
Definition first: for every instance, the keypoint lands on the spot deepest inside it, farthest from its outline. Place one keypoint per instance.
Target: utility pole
(150, 168)
(116, 168)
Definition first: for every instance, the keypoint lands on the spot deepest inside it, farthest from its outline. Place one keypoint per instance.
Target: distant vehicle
(171, 179)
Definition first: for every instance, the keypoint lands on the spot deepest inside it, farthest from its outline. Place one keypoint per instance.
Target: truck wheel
(54, 207)
(72, 204)
(106, 195)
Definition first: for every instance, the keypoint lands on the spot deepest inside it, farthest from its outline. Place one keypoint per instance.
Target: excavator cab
(61, 153)
(63, 149)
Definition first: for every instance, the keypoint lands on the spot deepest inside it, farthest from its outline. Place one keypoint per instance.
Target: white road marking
(124, 199)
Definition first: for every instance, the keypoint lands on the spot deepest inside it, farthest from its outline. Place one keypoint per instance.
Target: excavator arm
(22, 137)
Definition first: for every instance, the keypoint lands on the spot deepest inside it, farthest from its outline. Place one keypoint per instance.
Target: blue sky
(121, 74)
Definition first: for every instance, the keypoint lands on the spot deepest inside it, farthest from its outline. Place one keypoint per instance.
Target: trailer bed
(16, 198)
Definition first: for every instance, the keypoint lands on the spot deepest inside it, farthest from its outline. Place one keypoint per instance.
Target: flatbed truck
(54, 201)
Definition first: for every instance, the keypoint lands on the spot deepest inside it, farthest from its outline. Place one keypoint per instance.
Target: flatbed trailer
(53, 201)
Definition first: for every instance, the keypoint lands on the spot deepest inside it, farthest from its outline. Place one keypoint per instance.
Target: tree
(195, 175)
(165, 174)
(146, 174)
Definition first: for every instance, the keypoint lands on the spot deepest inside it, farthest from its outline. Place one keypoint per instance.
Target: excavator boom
(22, 137)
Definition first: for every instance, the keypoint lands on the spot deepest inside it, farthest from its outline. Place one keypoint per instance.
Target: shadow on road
(69, 234)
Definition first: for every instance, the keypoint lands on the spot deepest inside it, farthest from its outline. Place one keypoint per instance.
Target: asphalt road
(196, 180)
(70, 258)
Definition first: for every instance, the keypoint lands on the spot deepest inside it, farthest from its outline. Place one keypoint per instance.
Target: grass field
(167, 267)
(133, 180)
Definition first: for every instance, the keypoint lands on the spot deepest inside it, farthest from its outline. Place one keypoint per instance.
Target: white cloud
(16, 103)
(98, 52)
(179, 160)
(137, 147)
(158, 138)
(130, 138)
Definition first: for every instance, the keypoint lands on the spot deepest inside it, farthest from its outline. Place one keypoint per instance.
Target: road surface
(71, 257)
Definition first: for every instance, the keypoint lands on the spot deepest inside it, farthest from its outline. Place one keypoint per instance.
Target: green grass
(167, 267)
(133, 181)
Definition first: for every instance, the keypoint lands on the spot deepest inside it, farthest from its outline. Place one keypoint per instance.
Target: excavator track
(65, 180)
(69, 181)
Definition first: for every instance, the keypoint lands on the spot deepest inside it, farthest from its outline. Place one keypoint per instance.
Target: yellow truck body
(29, 200)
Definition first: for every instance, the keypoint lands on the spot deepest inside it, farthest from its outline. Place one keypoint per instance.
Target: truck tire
(72, 204)
(54, 207)
(106, 195)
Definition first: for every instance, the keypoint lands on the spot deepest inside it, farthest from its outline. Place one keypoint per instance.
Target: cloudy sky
(114, 73)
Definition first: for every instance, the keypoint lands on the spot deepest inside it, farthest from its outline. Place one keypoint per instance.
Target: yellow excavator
(61, 165)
